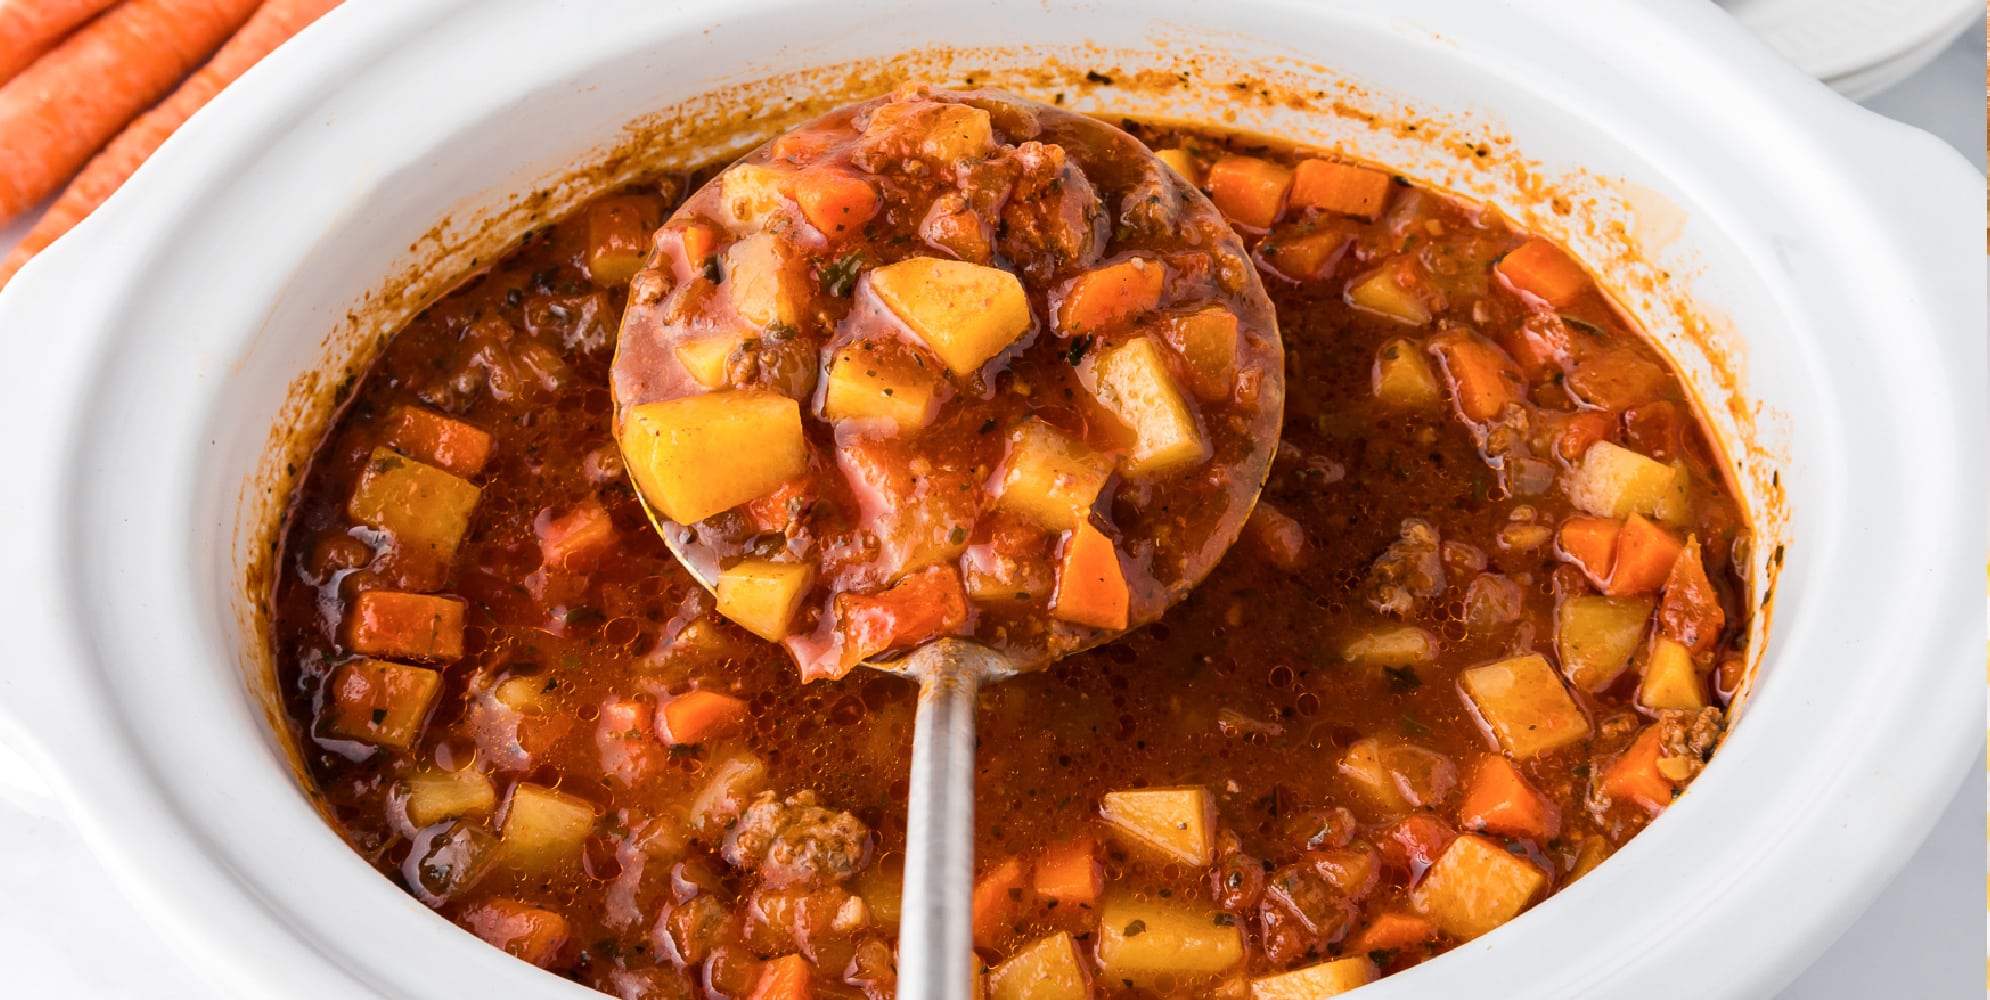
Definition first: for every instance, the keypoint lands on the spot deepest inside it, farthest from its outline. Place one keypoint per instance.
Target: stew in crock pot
(1483, 628)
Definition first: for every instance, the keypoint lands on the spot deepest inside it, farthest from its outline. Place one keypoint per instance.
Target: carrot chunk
(1483, 380)
(375, 701)
(448, 444)
(1393, 931)
(1415, 842)
(931, 602)
(405, 626)
(1067, 873)
(1249, 191)
(1542, 270)
(834, 200)
(1645, 555)
(1500, 800)
(1105, 297)
(1581, 431)
(1340, 187)
(1000, 895)
(1591, 543)
(575, 541)
(618, 238)
(1690, 612)
(525, 932)
(1091, 586)
(698, 716)
(784, 978)
(1635, 776)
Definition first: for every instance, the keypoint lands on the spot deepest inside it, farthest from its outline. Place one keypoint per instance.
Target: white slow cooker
(1814, 270)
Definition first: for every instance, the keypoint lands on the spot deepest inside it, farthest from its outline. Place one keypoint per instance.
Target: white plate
(1859, 47)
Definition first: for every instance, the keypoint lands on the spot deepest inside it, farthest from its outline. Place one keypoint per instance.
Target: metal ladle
(935, 945)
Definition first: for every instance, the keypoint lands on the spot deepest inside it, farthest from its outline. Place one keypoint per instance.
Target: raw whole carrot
(273, 24)
(72, 100)
(29, 28)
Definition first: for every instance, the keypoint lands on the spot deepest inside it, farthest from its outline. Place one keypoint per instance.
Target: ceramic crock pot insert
(226, 307)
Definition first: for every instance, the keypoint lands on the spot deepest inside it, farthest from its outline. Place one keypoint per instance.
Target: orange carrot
(998, 902)
(1645, 554)
(697, 716)
(784, 978)
(1690, 613)
(406, 626)
(834, 200)
(1067, 874)
(273, 24)
(1541, 269)
(925, 604)
(444, 442)
(1340, 187)
(1391, 931)
(1248, 190)
(1591, 543)
(1110, 295)
(1091, 587)
(29, 28)
(1500, 800)
(1483, 380)
(1581, 431)
(1635, 776)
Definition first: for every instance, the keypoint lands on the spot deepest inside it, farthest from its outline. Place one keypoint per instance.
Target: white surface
(1860, 46)
(65, 932)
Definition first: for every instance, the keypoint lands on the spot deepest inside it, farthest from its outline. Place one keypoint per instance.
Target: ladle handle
(935, 932)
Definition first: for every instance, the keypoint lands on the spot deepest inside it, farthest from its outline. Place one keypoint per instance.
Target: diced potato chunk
(1614, 481)
(1475, 886)
(419, 504)
(948, 133)
(543, 829)
(1044, 969)
(762, 596)
(1178, 823)
(1597, 636)
(1132, 382)
(378, 702)
(1050, 477)
(1404, 378)
(1141, 940)
(1327, 979)
(697, 456)
(618, 238)
(1181, 162)
(1207, 342)
(704, 359)
(1362, 763)
(1670, 679)
(761, 283)
(434, 796)
(734, 781)
(749, 193)
(1384, 291)
(1391, 646)
(966, 313)
(864, 386)
(1524, 704)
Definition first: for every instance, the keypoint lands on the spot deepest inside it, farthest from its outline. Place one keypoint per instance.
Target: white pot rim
(85, 603)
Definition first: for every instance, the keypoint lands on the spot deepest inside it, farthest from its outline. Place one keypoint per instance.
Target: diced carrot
(576, 540)
(1690, 612)
(784, 978)
(1415, 841)
(1634, 777)
(1340, 187)
(834, 200)
(1581, 431)
(1645, 555)
(524, 931)
(1091, 586)
(446, 443)
(376, 701)
(697, 242)
(698, 716)
(1483, 380)
(618, 237)
(1591, 543)
(802, 146)
(1107, 296)
(405, 626)
(1539, 268)
(931, 602)
(1500, 800)
(1391, 931)
(1067, 873)
(1248, 190)
(1654, 428)
(1539, 344)
(773, 511)
(1000, 895)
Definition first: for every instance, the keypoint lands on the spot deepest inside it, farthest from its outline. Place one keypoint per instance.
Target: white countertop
(66, 932)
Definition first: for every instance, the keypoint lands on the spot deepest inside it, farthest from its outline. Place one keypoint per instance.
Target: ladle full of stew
(950, 385)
